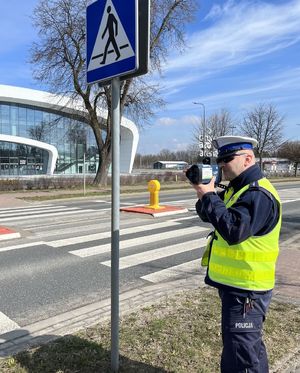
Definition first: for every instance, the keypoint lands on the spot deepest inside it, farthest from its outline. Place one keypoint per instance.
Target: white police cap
(230, 144)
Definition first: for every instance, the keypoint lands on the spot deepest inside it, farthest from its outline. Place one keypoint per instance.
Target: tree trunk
(102, 171)
(296, 168)
(260, 162)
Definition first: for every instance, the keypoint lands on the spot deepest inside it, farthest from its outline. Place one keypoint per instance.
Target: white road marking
(289, 190)
(190, 200)
(21, 246)
(41, 216)
(34, 212)
(68, 227)
(65, 229)
(7, 325)
(86, 218)
(26, 208)
(140, 241)
(193, 267)
(290, 200)
(294, 239)
(99, 236)
(188, 218)
(149, 256)
(9, 236)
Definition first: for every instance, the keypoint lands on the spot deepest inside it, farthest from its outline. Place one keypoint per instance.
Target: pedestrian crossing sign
(112, 39)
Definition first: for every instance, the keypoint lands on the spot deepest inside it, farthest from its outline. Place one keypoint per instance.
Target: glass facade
(21, 159)
(72, 138)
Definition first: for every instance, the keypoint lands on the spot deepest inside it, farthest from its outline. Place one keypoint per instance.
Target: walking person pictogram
(112, 28)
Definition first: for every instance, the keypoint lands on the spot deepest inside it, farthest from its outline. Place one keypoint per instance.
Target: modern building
(43, 133)
(175, 165)
(276, 165)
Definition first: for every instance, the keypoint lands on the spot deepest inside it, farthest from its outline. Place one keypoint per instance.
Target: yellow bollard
(154, 188)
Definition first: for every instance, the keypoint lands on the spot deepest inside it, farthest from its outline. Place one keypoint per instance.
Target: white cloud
(218, 10)
(273, 88)
(183, 121)
(243, 53)
(166, 121)
(244, 31)
(178, 145)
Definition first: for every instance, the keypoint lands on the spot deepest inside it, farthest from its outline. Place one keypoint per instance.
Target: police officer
(241, 252)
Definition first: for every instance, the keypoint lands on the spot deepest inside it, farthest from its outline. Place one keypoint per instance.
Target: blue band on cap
(237, 146)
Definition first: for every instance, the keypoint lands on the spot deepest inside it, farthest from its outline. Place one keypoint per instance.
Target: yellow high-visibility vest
(250, 264)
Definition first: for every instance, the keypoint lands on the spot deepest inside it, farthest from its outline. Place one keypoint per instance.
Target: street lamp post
(204, 124)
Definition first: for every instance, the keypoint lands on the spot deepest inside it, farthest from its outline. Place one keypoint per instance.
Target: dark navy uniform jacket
(255, 213)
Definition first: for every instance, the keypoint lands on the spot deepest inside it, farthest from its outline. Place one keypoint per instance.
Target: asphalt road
(62, 260)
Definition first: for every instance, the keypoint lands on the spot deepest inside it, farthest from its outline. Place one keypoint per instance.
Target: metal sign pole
(115, 223)
(133, 62)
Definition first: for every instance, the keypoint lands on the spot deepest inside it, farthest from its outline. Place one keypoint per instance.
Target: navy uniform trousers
(242, 321)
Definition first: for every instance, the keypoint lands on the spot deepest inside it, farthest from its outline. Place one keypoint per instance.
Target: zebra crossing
(133, 242)
(151, 251)
(289, 195)
(141, 241)
(137, 259)
(191, 267)
(85, 233)
(25, 214)
(73, 241)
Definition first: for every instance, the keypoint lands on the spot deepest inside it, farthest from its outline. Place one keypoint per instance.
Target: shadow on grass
(72, 354)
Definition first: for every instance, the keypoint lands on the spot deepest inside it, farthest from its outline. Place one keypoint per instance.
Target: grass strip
(179, 334)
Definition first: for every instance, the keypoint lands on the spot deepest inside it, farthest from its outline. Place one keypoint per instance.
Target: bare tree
(218, 124)
(190, 155)
(265, 124)
(291, 151)
(59, 62)
(166, 155)
(39, 132)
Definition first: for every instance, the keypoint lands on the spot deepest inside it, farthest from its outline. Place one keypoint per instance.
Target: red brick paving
(288, 275)
(151, 211)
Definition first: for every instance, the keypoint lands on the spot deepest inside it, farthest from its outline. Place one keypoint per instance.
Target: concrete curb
(8, 234)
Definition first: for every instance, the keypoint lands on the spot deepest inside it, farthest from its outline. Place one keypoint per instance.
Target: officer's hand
(202, 189)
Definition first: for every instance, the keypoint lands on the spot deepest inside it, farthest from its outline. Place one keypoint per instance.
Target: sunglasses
(229, 158)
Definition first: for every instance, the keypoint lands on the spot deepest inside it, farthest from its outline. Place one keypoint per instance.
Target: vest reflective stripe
(249, 256)
(240, 273)
(251, 263)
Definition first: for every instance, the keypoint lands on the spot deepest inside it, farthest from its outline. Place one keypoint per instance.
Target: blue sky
(239, 53)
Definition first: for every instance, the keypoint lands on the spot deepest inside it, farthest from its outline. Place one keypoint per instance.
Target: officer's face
(236, 166)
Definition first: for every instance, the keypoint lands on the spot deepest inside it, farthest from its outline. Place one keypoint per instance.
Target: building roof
(171, 162)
